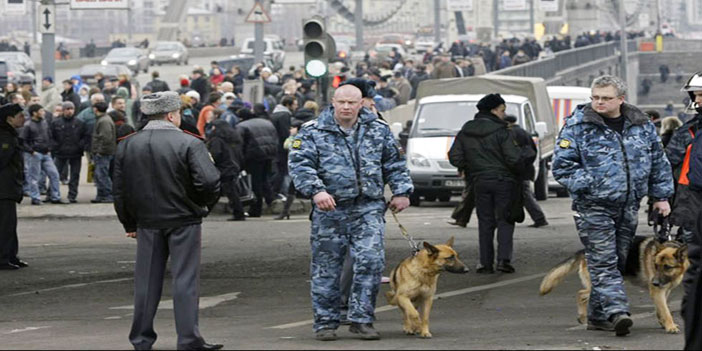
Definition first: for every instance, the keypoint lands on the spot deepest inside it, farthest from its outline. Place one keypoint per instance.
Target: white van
(444, 105)
(437, 121)
(564, 100)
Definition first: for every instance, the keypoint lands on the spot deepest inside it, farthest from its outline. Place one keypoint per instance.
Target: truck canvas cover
(533, 89)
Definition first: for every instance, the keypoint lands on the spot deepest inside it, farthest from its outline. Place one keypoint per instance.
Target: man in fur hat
(165, 182)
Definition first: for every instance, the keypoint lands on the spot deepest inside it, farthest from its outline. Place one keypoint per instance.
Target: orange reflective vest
(686, 163)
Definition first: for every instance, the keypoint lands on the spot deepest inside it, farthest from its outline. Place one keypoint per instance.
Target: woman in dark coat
(225, 144)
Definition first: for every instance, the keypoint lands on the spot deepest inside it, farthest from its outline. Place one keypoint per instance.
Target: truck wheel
(414, 200)
(541, 183)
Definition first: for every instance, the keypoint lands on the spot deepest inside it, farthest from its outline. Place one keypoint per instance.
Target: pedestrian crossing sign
(258, 15)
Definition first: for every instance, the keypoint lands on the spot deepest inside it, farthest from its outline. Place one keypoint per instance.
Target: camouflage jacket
(322, 158)
(598, 165)
(677, 147)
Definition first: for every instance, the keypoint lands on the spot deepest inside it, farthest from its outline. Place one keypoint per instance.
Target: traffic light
(319, 47)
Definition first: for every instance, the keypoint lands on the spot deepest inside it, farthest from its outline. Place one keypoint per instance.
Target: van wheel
(414, 200)
(541, 183)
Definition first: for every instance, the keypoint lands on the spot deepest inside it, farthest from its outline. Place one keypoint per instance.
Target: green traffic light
(316, 68)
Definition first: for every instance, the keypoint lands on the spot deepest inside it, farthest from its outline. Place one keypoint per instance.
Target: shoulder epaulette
(309, 123)
(126, 136)
(193, 134)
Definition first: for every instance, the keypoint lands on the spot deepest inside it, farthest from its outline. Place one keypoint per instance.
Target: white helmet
(693, 84)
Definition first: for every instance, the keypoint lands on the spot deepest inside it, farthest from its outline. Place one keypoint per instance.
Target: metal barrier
(549, 67)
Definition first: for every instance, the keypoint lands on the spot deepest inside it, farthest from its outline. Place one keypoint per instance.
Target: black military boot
(365, 330)
(621, 322)
(325, 335)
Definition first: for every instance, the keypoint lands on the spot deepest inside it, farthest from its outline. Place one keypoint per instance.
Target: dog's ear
(681, 254)
(433, 251)
(449, 243)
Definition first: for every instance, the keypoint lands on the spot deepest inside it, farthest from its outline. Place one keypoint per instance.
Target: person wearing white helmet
(686, 209)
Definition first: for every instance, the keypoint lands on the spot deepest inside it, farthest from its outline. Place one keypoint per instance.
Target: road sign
(47, 19)
(459, 5)
(15, 7)
(99, 4)
(258, 15)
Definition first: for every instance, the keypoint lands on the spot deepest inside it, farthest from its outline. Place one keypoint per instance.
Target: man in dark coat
(11, 178)
(200, 83)
(69, 140)
(164, 184)
(486, 151)
(225, 145)
(281, 118)
(528, 155)
(260, 150)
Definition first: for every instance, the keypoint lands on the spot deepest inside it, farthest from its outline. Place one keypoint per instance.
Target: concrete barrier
(214, 52)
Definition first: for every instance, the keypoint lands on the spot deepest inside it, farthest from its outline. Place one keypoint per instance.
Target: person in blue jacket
(342, 160)
(609, 157)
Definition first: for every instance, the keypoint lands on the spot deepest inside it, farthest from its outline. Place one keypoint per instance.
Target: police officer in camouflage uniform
(342, 161)
(609, 157)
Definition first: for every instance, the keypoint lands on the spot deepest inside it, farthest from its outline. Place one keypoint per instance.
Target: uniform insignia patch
(564, 144)
(296, 143)
(5, 146)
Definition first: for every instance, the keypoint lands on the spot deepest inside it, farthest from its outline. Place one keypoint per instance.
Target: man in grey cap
(164, 184)
(11, 177)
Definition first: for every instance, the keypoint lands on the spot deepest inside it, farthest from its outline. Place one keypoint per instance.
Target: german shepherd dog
(659, 267)
(413, 284)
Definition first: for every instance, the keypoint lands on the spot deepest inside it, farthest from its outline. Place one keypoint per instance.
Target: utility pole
(437, 21)
(623, 42)
(495, 17)
(258, 36)
(130, 22)
(531, 16)
(359, 25)
(34, 22)
(48, 38)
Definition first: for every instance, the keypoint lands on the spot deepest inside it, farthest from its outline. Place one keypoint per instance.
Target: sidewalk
(85, 209)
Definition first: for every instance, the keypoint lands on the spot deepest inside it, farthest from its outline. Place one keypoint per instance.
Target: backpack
(695, 173)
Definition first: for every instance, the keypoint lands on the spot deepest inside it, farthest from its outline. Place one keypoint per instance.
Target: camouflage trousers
(359, 226)
(607, 234)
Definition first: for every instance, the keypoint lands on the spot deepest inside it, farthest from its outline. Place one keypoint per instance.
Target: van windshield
(447, 118)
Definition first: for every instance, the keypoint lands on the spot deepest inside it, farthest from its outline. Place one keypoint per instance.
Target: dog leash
(410, 240)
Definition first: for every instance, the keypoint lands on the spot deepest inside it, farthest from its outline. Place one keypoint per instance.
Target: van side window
(528, 119)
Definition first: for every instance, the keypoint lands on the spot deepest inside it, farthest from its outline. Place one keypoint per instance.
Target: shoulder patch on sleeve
(564, 144)
(296, 144)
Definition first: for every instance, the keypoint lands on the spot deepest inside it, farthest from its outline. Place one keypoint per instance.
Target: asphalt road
(77, 293)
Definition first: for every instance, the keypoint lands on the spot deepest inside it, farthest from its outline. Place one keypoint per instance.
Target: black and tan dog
(659, 267)
(413, 284)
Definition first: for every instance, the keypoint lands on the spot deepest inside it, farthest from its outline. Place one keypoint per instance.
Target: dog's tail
(556, 275)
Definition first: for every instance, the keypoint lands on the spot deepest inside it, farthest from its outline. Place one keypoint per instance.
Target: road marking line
(437, 296)
(205, 302)
(15, 331)
(639, 315)
(69, 286)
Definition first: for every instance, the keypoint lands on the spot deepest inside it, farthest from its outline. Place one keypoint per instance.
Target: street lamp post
(623, 42)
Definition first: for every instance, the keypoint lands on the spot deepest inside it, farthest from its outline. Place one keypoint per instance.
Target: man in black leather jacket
(11, 177)
(164, 184)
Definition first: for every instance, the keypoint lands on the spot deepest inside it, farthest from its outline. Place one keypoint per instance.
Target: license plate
(458, 183)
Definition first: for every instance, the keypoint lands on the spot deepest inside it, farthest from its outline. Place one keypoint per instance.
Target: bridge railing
(548, 68)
